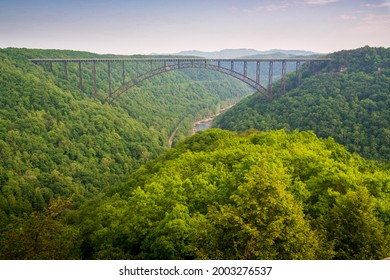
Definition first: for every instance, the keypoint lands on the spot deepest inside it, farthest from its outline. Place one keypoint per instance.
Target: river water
(199, 126)
(206, 123)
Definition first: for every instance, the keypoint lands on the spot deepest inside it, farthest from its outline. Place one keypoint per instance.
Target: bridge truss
(237, 68)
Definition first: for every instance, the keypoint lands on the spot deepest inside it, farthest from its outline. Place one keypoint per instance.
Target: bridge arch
(171, 63)
(195, 64)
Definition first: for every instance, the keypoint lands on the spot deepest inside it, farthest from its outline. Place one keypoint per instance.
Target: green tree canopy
(256, 195)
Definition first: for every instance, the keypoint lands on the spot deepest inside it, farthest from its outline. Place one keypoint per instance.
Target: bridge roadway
(175, 63)
(174, 59)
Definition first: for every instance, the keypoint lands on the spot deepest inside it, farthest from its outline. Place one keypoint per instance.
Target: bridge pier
(283, 76)
(312, 70)
(298, 73)
(109, 78)
(66, 70)
(123, 73)
(94, 79)
(232, 66)
(270, 77)
(80, 77)
(245, 69)
(258, 72)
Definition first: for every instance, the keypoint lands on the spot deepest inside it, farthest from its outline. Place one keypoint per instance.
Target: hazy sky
(168, 26)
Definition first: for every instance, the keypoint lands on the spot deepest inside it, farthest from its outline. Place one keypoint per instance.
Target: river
(206, 123)
(203, 125)
(200, 125)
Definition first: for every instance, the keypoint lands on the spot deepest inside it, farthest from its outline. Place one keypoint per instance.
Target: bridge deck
(173, 59)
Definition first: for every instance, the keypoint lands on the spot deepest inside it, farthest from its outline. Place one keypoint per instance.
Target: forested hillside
(80, 179)
(347, 99)
(57, 140)
(221, 195)
(256, 195)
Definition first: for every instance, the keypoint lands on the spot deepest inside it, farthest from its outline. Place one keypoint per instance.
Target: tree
(354, 228)
(264, 221)
(41, 235)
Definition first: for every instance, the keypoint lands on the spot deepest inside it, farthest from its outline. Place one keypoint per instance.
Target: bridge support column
(232, 65)
(80, 77)
(283, 76)
(50, 66)
(258, 72)
(270, 77)
(94, 79)
(245, 68)
(123, 73)
(298, 73)
(66, 70)
(109, 78)
(219, 64)
(312, 70)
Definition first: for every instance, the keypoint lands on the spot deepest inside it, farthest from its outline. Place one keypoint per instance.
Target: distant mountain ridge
(236, 53)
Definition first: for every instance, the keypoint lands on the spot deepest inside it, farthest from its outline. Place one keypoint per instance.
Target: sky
(170, 26)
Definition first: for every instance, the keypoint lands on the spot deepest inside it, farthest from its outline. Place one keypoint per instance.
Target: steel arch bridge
(162, 65)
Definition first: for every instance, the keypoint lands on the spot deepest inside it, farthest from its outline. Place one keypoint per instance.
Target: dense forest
(80, 179)
(221, 195)
(347, 99)
(57, 140)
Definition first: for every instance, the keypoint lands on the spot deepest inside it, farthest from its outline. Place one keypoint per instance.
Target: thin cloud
(276, 7)
(347, 17)
(375, 19)
(320, 2)
(269, 7)
(380, 5)
(272, 7)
